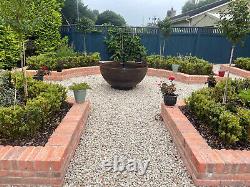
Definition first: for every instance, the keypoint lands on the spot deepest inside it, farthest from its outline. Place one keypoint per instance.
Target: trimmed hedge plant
(243, 63)
(188, 64)
(24, 119)
(230, 122)
(52, 61)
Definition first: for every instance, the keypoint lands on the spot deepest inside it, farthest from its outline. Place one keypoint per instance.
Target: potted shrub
(59, 65)
(168, 92)
(211, 81)
(80, 91)
(41, 72)
(127, 70)
(175, 68)
(221, 73)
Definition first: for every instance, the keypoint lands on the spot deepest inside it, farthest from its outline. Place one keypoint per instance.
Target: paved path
(124, 124)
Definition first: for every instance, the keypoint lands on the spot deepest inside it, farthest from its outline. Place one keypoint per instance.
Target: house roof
(199, 10)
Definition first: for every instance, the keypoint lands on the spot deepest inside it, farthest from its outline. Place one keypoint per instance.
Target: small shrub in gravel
(188, 64)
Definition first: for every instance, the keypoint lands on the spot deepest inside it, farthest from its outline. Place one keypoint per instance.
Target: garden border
(236, 71)
(30, 165)
(207, 166)
(95, 70)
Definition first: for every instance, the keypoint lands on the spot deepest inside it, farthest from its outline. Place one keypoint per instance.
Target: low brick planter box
(30, 166)
(68, 73)
(207, 166)
(236, 71)
(181, 77)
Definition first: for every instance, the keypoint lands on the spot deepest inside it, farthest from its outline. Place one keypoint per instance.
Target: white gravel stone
(122, 123)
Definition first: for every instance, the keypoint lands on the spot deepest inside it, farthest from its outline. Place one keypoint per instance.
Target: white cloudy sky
(135, 11)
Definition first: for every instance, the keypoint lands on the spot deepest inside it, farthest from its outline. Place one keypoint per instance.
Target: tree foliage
(124, 46)
(9, 47)
(191, 5)
(110, 18)
(69, 12)
(235, 22)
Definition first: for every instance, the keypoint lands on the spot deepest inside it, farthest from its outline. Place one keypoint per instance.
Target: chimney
(171, 13)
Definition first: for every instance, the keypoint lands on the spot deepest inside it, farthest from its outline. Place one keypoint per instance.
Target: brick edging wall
(30, 165)
(68, 73)
(207, 166)
(181, 77)
(236, 71)
(95, 70)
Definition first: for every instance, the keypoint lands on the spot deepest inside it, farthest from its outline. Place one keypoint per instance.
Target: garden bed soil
(43, 134)
(212, 139)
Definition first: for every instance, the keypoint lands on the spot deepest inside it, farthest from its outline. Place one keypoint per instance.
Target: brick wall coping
(207, 166)
(30, 165)
(236, 71)
(95, 70)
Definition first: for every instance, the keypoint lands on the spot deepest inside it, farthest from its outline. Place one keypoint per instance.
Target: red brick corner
(32, 166)
(207, 166)
(236, 71)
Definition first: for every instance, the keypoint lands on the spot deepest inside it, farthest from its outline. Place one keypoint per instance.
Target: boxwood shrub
(24, 119)
(52, 61)
(243, 63)
(231, 121)
(188, 64)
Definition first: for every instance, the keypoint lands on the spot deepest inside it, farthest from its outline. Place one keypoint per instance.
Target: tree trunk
(163, 48)
(23, 62)
(84, 45)
(228, 73)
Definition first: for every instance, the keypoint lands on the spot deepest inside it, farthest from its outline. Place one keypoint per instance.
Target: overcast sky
(137, 11)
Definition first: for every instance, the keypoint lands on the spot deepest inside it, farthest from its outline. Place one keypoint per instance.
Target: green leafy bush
(81, 86)
(188, 64)
(230, 122)
(9, 47)
(125, 46)
(243, 63)
(25, 119)
(51, 60)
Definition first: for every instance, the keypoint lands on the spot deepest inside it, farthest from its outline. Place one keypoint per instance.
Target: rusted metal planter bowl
(123, 77)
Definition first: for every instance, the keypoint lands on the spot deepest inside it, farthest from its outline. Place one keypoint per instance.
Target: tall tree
(165, 29)
(191, 5)
(110, 18)
(70, 14)
(235, 24)
(26, 17)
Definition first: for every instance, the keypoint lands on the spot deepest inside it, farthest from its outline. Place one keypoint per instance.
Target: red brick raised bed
(30, 166)
(181, 77)
(69, 73)
(95, 70)
(236, 71)
(207, 166)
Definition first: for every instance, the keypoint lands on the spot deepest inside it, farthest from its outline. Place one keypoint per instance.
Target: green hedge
(44, 101)
(188, 64)
(231, 121)
(51, 60)
(243, 63)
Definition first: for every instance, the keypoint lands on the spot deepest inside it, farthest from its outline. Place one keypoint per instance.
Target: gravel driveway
(125, 125)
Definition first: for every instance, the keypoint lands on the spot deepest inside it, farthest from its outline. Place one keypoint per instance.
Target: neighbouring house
(205, 16)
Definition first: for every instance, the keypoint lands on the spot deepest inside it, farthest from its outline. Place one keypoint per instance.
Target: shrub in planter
(211, 81)
(24, 119)
(187, 64)
(230, 121)
(243, 63)
(51, 60)
(80, 91)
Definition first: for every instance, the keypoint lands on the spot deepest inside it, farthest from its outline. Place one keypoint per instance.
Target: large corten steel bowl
(123, 76)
